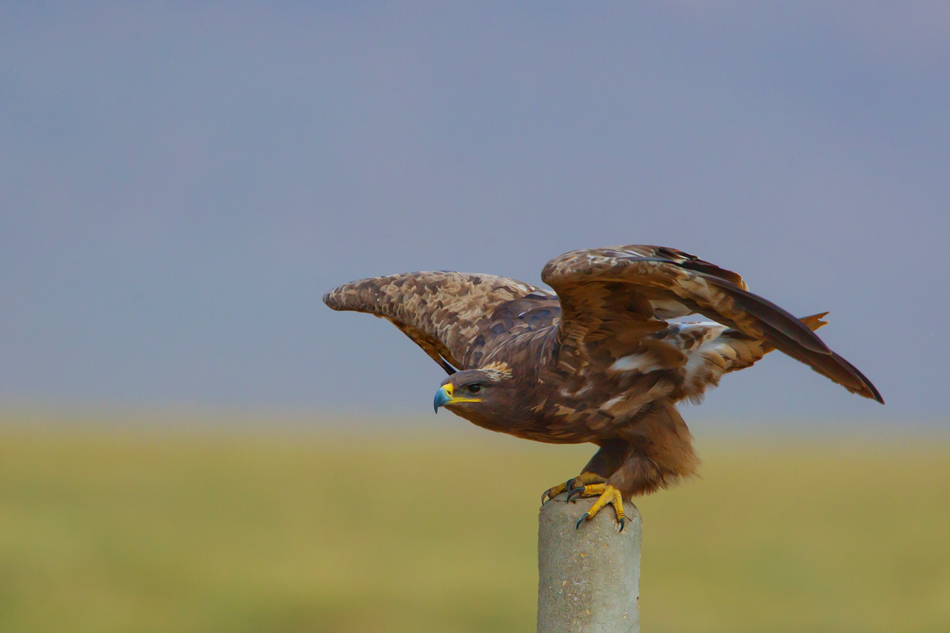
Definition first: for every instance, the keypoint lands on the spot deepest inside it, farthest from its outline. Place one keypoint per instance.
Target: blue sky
(180, 184)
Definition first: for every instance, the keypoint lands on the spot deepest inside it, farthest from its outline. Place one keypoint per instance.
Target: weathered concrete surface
(589, 577)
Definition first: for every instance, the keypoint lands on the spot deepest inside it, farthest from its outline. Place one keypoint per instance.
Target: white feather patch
(498, 369)
(634, 362)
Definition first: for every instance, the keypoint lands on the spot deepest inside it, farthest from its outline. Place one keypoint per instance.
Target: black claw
(583, 518)
(574, 491)
(622, 522)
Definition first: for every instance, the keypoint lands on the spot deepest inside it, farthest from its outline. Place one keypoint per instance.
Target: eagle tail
(814, 321)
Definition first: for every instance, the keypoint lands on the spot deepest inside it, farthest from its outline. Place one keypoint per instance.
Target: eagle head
(476, 393)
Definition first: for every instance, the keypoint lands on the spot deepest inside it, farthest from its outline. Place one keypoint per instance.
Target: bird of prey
(602, 361)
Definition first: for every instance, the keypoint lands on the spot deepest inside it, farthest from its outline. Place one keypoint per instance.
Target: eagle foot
(581, 480)
(608, 494)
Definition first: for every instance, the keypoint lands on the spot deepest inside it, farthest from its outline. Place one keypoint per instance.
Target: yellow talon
(608, 494)
(582, 479)
(550, 493)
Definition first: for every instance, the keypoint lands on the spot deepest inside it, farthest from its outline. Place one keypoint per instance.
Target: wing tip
(331, 299)
(875, 394)
(866, 390)
(871, 393)
(355, 296)
(864, 387)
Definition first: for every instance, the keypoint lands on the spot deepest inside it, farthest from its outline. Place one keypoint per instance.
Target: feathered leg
(602, 465)
(659, 452)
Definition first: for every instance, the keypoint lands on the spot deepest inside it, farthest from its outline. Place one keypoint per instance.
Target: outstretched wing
(455, 317)
(615, 300)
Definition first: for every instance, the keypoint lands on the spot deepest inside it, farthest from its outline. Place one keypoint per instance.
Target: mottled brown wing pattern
(610, 293)
(610, 324)
(456, 318)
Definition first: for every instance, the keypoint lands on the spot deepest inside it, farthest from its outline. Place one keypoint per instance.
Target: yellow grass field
(186, 531)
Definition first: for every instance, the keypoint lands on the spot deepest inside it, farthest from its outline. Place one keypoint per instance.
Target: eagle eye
(475, 388)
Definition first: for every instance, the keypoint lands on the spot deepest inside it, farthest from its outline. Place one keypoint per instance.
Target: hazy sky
(180, 184)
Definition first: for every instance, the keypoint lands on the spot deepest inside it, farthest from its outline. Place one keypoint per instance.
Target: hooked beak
(446, 395)
(442, 397)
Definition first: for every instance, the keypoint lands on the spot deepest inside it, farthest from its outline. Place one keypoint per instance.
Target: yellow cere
(450, 392)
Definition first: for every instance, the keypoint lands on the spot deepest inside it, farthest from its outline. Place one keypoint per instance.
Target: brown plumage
(600, 362)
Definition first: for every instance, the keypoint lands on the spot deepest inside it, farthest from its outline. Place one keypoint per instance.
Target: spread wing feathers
(712, 350)
(617, 297)
(455, 317)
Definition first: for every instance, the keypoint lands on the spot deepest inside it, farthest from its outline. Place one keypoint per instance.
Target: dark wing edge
(666, 275)
(442, 312)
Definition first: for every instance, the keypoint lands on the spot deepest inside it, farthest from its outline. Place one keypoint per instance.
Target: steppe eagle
(601, 362)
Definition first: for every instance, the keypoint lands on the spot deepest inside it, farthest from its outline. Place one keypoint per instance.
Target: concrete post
(589, 578)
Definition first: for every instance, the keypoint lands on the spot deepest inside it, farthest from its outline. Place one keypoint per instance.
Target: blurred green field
(290, 531)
